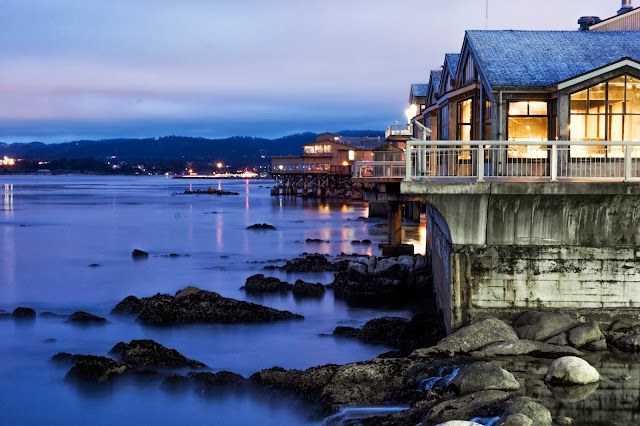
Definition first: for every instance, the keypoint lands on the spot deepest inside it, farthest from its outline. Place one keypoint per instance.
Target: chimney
(626, 7)
(586, 21)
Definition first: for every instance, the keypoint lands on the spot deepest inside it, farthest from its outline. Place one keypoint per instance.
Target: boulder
(47, 314)
(139, 254)
(530, 408)
(628, 342)
(472, 337)
(478, 404)
(85, 318)
(346, 331)
(559, 339)
(526, 347)
(621, 325)
(459, 423)
(198, 307)
(147, 353)
(262, 226)
(67, 358)
(95, 369)
(516, 419)
(358, 267)
(481, 376)
(391, 282)
(207, 381)
(305, 289)
(188, 290)
(385, 330)
(584, 334)
(24, 313)
(260, 284)
(314, 263)
(536, 325)
(570, 371)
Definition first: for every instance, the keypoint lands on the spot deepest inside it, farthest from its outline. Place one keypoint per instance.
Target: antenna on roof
(486, 15)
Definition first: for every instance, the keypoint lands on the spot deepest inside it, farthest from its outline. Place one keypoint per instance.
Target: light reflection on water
(57, 226)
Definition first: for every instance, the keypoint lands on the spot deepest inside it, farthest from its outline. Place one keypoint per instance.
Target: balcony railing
(377, 170)
(508, 160)
(398, 130)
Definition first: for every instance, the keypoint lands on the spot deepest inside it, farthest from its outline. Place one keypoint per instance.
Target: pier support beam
(395, 246)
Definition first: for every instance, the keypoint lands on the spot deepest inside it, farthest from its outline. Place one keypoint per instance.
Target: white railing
(379, 169)
(549, 160)
(398, 130)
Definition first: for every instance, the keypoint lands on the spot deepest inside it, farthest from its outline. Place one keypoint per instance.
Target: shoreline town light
(410, 112)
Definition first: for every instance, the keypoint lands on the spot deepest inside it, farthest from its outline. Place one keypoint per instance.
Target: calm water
(52, 228)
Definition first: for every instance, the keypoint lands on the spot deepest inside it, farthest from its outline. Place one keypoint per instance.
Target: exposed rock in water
(260, 284)
(211, 190)
(478, 404)
(305, 289)
(344, 331)
(139, 254)
(313, 263)
(536, 325)
(481, 376)
(197, 307)
(85, 318)
(95, 369)
(94, 265)
(570, 371)
(67, 358)
(529, 408)
(147, 353)
(262, 226)
(207, 381)
(526, 347)
(24, 313)
(584, 334)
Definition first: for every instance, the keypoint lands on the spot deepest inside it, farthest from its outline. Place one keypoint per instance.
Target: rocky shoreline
(474, 374)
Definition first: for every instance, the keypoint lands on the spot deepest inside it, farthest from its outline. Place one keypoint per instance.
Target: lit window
(528, 122)
(352, 155)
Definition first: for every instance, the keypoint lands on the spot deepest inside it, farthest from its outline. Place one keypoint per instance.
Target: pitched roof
(451, 60)
(419, 89)
(543, 58)
(434, 79)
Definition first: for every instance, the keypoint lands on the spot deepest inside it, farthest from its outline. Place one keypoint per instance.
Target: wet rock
(459, 423)
(474, 336)
(176, 381)
(67, 358)
(570, 371)
(536, 325)
(529, 408)
(260, 284)
(358, 267)
(94, 265)
(481, 376)
(600, 345)
(262, 226)
(139, 254)
(130, 305)
(353, 284)
(564, 421)
(385, 330)
(313, 263)
(316, 241)
(24, 313)
(211, 191)
(516, 419)
(188, 290)
(478, 404)
(307, 384)
(50, 340)
(629, 342)
(85, 318)
(346, 331)
(147, 353)
(207, 381)
(526, 347)
(48, 314)
(584, 334)
(620, 325)
(305, 289)
(198, 307)
(559, 339)
(95, 369)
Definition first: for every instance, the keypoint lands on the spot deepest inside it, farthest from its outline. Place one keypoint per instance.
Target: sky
(95, 69)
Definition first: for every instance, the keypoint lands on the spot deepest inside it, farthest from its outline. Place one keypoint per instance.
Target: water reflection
(7, 198)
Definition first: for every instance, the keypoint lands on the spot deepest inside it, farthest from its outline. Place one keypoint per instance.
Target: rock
(48, 314)
(346, 331)
(50, 340)
(385, 330)
(207, 381)
(481, 376)
(478, 404)
(211, 190)
(305, 289)
(262, 226)
(526, 347)
(260, 284)
(540, 326)
(67, 358)
(474, 336)
(573, 394)
(600, 345)
(94, 265)
(315, 241)
(188, 290)
(198, 307)
(306, 384)
(564, 421)
(139, 254)
(130, 305)
(459, 423)
(366, 242)
(358, 267)
(176, 381)
(570, 371)
(530, 408)
(516, 419)
(390, 282)
(584, 334)
(85, 318)
(95, 369)
(24, 313)
(314, 263)
(147, 353)
(559, 339)
(620, 325)
(629, 342)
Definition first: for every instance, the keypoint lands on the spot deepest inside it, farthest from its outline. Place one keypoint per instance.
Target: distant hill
(237, 149)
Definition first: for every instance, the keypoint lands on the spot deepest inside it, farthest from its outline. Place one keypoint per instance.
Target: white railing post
(407, 159)
(554, 161)
(627, 162)
(480, 162)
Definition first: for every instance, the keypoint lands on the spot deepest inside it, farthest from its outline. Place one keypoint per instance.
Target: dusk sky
(75, 69)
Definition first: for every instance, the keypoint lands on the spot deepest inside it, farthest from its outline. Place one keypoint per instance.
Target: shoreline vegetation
(430, 378)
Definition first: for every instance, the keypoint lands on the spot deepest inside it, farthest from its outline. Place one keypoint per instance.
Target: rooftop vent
(586, 21)
(626, 7)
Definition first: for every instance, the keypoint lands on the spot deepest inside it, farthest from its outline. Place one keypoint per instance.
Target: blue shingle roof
(452, 59)
(434, 79)
(419, 89)
(543, 58)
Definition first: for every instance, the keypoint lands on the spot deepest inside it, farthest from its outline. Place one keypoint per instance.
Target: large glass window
(444, 123)
(528, 121)
(464, 122)
(609, 111)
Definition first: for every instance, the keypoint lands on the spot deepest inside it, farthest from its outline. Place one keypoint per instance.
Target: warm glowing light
(248, 174)
(281, 167)
(411, 112)
(6, 161)
(219, 165)
(352, 155)
(345, 163)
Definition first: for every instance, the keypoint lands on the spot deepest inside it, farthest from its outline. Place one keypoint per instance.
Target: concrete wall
(498, 248)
